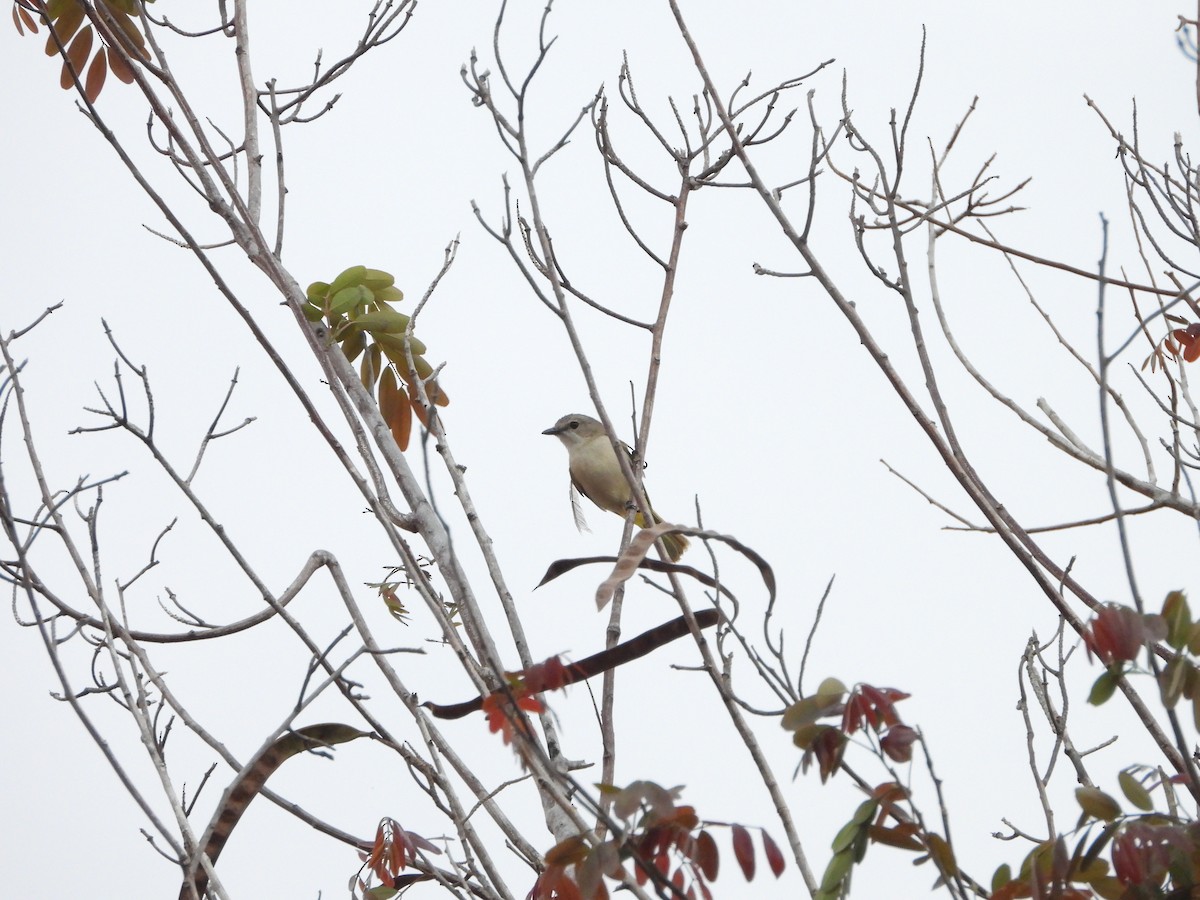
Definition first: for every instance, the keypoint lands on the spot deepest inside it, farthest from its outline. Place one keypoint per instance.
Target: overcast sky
(770, 415)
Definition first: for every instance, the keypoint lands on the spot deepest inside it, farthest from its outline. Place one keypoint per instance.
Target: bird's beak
(552, 431)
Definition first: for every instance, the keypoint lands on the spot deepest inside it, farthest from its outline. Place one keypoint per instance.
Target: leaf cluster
(64, 19)
(357, 306)
(667, 841)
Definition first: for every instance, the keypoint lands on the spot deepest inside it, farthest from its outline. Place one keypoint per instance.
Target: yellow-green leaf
(1179, 619)
(1104, 687)
(390, 294)
(317, 292)
(377, 279)
(1135, 792)
(385, 321)
(1097, 804)
(351, 277)
(347, 299)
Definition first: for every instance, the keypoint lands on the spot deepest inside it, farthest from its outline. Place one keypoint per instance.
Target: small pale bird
(597, 474)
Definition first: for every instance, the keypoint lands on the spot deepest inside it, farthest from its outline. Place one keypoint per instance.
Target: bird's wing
(633, 461)
(577, 506)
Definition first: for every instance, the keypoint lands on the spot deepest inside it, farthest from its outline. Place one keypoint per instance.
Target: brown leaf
(901, 836)
(77, 54)
(119, 67)
(414, 399)
(387, 394)
(96, 74)
(401, 423)
(130, 36)
(941, 852)
(21, 17)
(65, 27)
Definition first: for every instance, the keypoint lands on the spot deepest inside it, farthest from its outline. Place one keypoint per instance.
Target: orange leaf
(743, 850)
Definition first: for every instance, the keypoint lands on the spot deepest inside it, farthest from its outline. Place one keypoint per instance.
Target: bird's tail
(675, 543)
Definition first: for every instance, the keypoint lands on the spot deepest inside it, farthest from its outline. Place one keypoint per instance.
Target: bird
(596, 472)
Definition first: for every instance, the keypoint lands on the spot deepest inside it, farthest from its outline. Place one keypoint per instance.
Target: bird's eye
(575, 424)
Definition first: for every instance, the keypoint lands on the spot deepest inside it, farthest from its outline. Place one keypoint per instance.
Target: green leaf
(846, 836)
(1172, 679)
(1002, 876)
(866, 811)
(836, 872)
(1194, 640)
(1104, 687)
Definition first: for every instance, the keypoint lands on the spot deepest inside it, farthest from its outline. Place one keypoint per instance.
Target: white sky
(769, 412)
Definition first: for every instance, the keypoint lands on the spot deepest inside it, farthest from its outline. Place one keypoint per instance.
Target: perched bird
(597, 474)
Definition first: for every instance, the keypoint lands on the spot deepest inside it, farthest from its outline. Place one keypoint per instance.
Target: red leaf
(827, 749)
(897, 743)
(548, 676)
(554, 884)
(706, 855)
(774, 855)
(743, 850)
(1115, 634)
